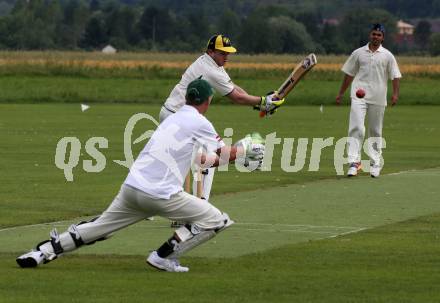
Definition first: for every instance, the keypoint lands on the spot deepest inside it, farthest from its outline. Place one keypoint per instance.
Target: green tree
(409, 8)
(128, 17)
(121, 27)
(289, 36)
(76, 15)
(5, 8)
(422, 33)
(311, 20)
(356, 25)
(95, 35)
(182, 39)
(331, 40)
(229, 24)
(19, 6)
(435, 8)
(199, 29)
(434, 44)
(156, 25)
(252, 39)
(95, 5)
(9, 26)
(32, 25)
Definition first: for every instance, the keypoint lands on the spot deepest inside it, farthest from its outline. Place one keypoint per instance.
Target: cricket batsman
(210, 67)
(369, 68)
(153, 187)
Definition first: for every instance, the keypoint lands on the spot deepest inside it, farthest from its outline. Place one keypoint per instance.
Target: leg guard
(192, 235)
(65, 242)
(51, 248)
(76, 237)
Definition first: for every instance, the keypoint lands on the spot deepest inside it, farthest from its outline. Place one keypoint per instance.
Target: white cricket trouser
(207, 178)
(356, 130)
(132, 205)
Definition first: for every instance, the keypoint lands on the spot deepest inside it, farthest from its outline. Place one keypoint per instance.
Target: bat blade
(199, 183)
(298, 72)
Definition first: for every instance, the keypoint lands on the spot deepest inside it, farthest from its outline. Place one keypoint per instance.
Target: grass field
(56, 89)
(32, 132)
(305, 236)
(308, 236)
(281, 250)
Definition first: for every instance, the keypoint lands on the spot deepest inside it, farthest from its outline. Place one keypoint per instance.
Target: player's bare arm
(345, 84)
(396, 89)
(251, 148)
(267, 105)
(240, 96)
(228, 154)
(240, 89)
(222, 156)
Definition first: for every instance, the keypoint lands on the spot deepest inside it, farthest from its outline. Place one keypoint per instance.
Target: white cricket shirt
(205, 67)
(371, 71)
(161, 167)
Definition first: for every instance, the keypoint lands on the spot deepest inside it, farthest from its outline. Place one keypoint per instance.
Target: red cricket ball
(360, 93)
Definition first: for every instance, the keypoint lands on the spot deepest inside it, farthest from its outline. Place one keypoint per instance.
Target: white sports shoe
(170, 265)
(375, 171)
(353, 169)
(31, 259)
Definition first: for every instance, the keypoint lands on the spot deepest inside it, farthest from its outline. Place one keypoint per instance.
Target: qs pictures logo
(71, 147)
(69, 151)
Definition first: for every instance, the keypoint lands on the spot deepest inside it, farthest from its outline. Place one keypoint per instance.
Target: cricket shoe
(170, 265)
(31, 259)
(375, 171)
(353, 169)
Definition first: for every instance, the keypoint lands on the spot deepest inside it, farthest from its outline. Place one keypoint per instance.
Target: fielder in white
(369, 68)
(153, 187)
(210, 67)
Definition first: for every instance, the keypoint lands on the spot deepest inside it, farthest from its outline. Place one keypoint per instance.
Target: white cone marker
(84, 107)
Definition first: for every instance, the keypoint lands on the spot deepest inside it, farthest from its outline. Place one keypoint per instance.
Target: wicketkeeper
(153, 187)
(210, 67)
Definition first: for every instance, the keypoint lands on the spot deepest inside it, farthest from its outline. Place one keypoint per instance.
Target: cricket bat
(197, 179)
(199, 184)
(298, 72)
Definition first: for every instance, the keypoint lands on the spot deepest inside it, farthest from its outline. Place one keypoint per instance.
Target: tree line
(89, 25)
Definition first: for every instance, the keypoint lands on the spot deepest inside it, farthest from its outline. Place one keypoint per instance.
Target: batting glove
(269, 104)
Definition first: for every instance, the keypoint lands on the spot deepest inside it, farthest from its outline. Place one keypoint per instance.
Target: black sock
(167, 248)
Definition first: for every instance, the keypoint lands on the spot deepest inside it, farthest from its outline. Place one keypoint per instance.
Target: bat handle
(276, 96)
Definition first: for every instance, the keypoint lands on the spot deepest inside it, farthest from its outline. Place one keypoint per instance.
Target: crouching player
(153, 187)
